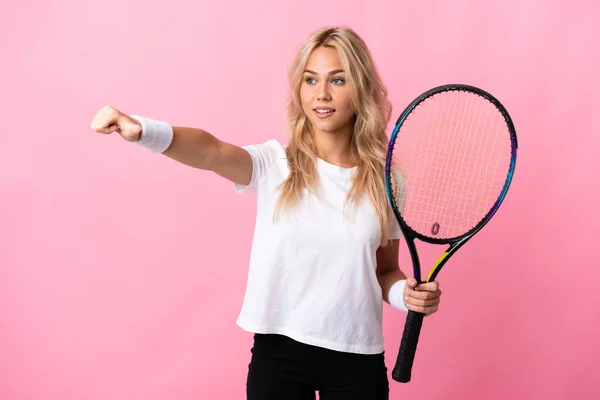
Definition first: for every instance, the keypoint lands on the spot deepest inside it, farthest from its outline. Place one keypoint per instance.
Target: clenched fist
(423, 298)
(109, 120)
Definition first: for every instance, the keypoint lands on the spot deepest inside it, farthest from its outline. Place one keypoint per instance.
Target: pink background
(122, 272)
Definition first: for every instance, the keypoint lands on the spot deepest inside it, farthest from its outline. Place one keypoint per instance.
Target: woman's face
(324, 93)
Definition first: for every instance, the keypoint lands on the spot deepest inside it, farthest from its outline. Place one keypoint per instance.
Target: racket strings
(449, 163)
(467, 184)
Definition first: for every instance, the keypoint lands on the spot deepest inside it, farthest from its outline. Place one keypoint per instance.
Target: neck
(335, 147)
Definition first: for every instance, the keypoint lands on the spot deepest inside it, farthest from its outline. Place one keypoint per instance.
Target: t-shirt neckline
(336, 169)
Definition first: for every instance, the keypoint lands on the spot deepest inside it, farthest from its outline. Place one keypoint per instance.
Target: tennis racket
(450, 162)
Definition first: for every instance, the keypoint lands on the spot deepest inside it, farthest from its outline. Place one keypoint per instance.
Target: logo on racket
(435, 228)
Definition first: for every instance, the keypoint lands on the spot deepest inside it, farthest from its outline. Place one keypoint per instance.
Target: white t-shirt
(312, 271)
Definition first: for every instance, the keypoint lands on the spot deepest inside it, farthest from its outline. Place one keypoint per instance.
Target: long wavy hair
(369, 139)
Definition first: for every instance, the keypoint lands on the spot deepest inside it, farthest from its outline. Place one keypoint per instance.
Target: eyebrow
(335, 71)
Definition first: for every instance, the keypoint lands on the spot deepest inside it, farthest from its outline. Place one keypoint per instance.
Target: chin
(328, 127)
(325, 127)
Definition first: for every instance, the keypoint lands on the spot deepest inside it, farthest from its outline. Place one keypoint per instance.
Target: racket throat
(414, 255)
(437, 266)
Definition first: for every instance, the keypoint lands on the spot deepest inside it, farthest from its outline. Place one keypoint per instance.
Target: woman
(325, 249)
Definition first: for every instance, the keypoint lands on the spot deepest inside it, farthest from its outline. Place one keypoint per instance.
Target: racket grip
(408, 347)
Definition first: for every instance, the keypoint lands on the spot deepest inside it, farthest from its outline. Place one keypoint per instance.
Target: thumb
(129, 128)
(411, 282)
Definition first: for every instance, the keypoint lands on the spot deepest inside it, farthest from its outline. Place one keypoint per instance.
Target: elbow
(209, 158)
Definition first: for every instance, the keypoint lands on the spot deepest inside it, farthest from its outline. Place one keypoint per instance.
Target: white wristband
(396, 295)
(156, 135)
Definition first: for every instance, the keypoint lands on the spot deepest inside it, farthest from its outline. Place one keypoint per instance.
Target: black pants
(284, 369)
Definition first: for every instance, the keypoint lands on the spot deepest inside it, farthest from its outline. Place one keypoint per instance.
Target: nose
(324, 93)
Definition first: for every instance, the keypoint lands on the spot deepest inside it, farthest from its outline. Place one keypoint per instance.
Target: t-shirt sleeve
(263, 157)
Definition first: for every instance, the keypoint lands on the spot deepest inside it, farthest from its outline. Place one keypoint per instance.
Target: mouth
(324, 112)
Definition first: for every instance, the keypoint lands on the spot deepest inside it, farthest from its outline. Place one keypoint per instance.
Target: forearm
(194, 147)
(197, 148)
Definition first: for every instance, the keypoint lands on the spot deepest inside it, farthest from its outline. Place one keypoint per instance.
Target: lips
(324, 112)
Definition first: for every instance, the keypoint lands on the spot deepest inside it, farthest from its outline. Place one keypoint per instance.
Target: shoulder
(271, 149)
(266, 157)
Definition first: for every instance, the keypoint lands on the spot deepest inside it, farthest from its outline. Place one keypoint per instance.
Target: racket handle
(408, 347)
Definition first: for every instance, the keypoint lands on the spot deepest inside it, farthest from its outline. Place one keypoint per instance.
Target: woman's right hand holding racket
(423, 298)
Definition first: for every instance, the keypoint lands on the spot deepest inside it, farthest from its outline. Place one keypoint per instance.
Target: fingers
(421, 303)
(427, 307)
(111, 128)
(430, 286)
(108, 120)
(423, 291)
(423, 310)
(105, 120)
(411, 282)
(423, 298)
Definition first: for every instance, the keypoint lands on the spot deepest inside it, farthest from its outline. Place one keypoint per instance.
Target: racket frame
(402, 370)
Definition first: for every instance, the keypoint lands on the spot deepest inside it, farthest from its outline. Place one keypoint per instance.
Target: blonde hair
(369, 140)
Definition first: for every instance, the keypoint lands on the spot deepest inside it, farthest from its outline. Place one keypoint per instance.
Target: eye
(338, 81)
(309, 80)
